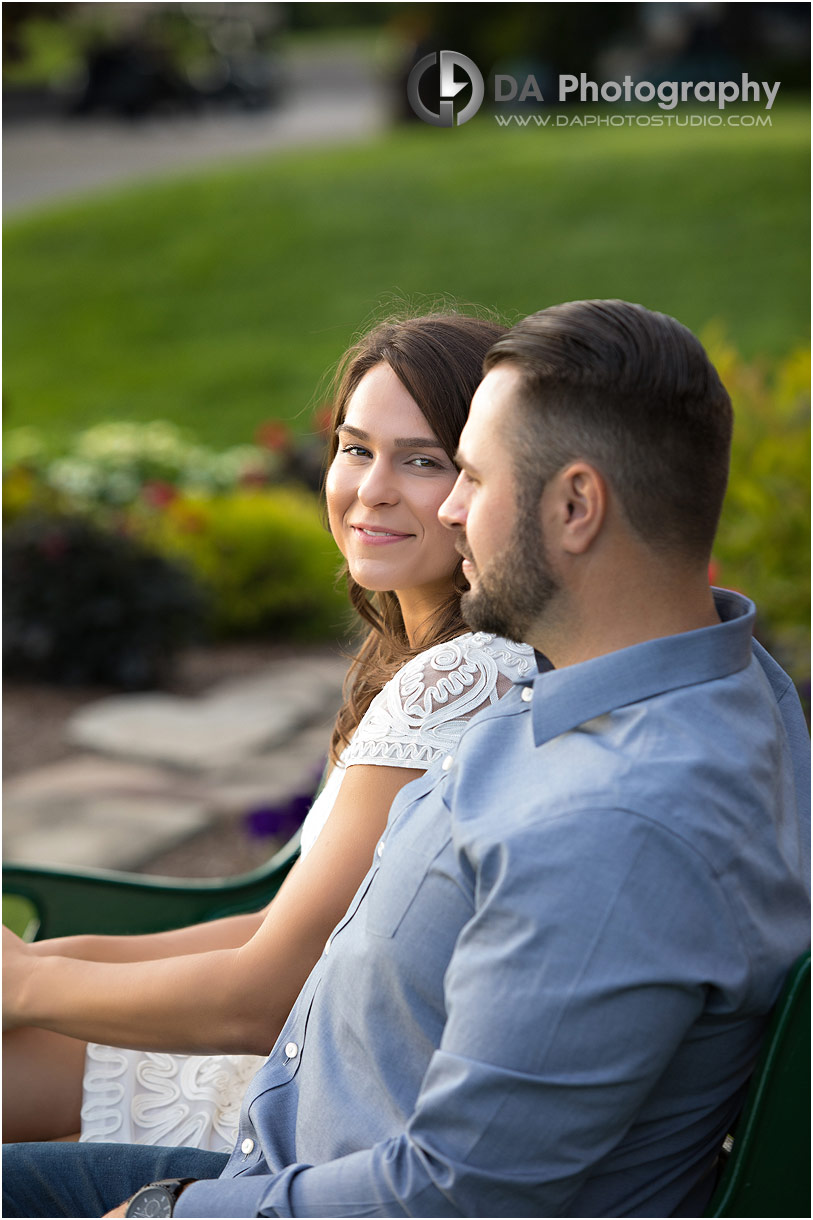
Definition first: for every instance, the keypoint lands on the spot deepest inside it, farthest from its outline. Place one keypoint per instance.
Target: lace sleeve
(420, 714)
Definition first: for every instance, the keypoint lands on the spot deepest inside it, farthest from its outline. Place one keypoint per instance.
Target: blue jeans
(92, 1179)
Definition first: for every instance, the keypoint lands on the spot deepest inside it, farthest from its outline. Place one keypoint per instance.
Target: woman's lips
(378, 537)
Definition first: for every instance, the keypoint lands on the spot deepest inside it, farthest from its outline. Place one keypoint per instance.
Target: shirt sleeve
(568, 994)
(422, 711)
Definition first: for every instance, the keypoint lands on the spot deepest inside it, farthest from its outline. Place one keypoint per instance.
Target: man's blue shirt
(548, 993)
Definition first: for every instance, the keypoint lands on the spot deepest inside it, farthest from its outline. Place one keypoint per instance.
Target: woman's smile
(378, 535)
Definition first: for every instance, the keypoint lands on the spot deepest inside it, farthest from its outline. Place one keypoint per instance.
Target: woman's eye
(425, 463)
(356, 450)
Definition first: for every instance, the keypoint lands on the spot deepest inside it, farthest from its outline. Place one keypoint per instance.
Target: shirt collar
(565, 698)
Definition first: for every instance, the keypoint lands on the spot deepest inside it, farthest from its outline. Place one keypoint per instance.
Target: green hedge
(763, 544)
(264, 556)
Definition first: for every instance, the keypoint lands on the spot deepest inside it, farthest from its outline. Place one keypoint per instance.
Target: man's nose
(452, 512)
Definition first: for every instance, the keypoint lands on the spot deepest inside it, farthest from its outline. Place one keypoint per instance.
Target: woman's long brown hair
(438, 358)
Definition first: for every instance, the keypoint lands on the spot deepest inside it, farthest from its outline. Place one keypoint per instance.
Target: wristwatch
(157, 1198)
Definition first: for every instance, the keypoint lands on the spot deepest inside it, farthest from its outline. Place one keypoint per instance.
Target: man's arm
(567, 995)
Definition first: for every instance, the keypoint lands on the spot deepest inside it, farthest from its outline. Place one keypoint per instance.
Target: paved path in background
(151, 771)
(330, 97)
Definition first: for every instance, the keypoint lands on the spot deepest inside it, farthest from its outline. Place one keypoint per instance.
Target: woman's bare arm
(232, 999)
(227, 933)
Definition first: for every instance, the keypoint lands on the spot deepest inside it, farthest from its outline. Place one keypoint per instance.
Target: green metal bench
(767, 1172)
(42, 902)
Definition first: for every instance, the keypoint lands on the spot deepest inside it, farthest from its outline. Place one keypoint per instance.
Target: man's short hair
(634, 393)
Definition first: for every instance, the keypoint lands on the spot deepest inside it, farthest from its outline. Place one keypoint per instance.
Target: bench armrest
(67, 902)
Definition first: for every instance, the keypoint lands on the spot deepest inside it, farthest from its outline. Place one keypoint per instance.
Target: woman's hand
(17, 964)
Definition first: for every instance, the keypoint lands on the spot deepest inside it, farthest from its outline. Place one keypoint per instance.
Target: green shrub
(263, 555)
(763, 545)
(84, 605)
(23, 493)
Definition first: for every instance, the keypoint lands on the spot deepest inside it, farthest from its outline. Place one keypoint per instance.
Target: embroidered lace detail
(421, 712)
(143, 1097)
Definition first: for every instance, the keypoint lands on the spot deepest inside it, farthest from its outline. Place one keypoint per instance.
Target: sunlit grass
(218, 299)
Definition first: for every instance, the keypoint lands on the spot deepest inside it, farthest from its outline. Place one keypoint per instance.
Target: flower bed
(229, 537)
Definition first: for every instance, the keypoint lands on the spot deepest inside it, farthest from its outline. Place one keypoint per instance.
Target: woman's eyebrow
(401, 442)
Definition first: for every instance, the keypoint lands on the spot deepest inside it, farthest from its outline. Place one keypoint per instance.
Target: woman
(201, 1003)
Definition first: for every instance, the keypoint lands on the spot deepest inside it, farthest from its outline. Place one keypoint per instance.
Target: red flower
(322, 418)
(274, 436)
(253, 478)
(158, 494)
(714, 572)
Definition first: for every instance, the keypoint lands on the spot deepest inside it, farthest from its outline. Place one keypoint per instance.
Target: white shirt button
(291, 1050)
(447, 763)
(246, 1147)
(379, 851)
(527, 694)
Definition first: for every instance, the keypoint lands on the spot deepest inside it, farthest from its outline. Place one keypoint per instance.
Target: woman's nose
(378, 485)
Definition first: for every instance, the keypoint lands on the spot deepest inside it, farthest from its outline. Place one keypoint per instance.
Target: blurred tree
(16, 17)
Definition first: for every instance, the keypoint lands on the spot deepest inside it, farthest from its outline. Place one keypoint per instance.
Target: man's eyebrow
(460, 461)
(401, 442)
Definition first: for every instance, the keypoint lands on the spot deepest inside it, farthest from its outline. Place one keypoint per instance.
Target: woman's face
(384, 487)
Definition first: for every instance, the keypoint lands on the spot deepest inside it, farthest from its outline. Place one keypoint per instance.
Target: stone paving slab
(233, 721)
(86, 774)
(99, 809)
(105, 831)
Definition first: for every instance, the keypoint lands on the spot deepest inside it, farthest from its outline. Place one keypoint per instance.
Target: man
(548, 993)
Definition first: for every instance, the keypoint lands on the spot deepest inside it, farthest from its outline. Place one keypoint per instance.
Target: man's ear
(577, 506)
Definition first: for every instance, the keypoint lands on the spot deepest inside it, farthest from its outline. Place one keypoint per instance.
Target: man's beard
(515, 589)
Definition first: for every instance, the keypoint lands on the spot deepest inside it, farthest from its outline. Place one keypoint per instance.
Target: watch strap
(173, 1187)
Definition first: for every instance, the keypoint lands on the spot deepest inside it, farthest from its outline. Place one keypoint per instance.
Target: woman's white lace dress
(143, 1097)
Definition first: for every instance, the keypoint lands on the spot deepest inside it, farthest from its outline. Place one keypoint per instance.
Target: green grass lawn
(218, 300)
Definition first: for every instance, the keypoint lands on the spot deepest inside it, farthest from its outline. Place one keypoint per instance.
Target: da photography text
(440, 77)
(669, 93)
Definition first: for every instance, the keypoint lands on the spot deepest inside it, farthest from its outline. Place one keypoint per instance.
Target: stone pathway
(154, 770)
